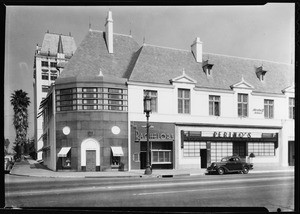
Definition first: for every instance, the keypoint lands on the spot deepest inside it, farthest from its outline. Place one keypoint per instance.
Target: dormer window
(207, 67)
(260, 73)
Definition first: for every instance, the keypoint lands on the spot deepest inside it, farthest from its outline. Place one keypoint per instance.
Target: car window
(223, 159)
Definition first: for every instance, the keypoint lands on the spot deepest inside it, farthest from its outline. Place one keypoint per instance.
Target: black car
(230, 164)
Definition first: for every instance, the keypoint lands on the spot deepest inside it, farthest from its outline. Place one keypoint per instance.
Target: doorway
(203, 155)
(291, 153)
(90, 160)
(143, 160)
(239, 148)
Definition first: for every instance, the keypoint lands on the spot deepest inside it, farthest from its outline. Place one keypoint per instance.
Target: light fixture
(115, 130)
(66, 130)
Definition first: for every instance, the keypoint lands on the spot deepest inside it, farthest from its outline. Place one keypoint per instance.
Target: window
(214, 105)
(269, 108)
(136, 157)
(161, 156)
(45, 88)
(184, 101)
(292, 108)
(53, 76)
(53, 64)
(261, 149)
(192, 149)
(153, 95)
(45, 76)
(219, 150)
(242, 105)
(44, 64)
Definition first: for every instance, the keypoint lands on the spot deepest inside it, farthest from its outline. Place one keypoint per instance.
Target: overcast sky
(259, 32)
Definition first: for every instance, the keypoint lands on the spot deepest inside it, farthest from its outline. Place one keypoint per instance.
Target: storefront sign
(153, 136)
(232, 134)
(258, 111)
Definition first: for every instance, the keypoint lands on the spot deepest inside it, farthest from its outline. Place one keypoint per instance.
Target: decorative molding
(242, 85)
(184, 78)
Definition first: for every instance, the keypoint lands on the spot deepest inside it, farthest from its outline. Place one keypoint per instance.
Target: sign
(153, 136)
(258, 111)
(232, 134)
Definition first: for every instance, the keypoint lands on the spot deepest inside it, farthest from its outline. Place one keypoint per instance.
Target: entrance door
(143, 158)
(291, 153)
(203, 154)
(90, 160)
(239, 148)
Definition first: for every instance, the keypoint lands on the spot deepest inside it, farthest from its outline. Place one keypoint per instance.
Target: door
(90, 160)
(291, 153)
(143, 160)
(203, 154)
(239, 148)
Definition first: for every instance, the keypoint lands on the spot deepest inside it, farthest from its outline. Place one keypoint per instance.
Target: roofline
(59, 34)
(166, 47)
(100, 31)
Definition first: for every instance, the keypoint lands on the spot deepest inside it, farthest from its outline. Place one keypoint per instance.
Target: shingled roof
(159, 64)
(51, 42)
(92, 56)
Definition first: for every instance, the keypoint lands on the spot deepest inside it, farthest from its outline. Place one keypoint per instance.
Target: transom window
(269, 108)
(243, 105)
(291, 108)
(183, 101)
(214, 105)
(153, 95)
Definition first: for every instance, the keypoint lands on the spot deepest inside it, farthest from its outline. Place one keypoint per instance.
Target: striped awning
(117, 150)
(63, 152)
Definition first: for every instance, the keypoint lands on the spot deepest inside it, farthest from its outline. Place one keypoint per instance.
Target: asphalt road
(269, 190)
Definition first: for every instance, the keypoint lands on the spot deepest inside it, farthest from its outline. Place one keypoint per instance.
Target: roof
(159, 65)
(92, 57)
(51, 43)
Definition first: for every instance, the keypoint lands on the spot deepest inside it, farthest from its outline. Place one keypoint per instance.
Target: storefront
(161, 142)
(200, 146)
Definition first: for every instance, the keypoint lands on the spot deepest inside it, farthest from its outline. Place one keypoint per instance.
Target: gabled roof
(183, 79)
(92, 56)
(242, 84)
(159, 64)
(51, 43)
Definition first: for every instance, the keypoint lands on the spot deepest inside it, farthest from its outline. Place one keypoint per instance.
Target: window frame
(183, 101)
(242, 103)
(291, 108)
(212, 99)
(269, 108)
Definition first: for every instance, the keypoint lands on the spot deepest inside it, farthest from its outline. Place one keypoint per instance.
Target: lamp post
(147, 110)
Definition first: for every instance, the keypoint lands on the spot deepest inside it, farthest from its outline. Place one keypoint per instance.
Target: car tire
(245, 170)
(220, 171)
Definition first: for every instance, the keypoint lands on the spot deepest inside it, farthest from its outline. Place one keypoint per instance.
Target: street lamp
(147, 110)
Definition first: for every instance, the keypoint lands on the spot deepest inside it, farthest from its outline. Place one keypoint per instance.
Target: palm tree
(20, 102)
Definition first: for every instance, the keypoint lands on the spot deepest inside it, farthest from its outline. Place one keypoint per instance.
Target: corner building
(204, 107)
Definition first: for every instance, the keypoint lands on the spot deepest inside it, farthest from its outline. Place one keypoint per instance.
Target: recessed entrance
(239, 148)
(90, 160)
(203, 154)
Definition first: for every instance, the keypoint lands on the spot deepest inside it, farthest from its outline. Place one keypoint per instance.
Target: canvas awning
(63, 152)
(117, 151)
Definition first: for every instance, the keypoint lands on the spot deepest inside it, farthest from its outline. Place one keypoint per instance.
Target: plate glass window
(269, 108)
(291, 108)
(243, 105)
(153, 95)
(183, 101)
(214, 105)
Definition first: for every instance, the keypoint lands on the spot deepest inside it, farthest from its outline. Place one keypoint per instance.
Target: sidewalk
(30, 167)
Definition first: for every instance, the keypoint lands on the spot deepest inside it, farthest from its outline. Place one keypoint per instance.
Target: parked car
(230, 164)
(8, 163)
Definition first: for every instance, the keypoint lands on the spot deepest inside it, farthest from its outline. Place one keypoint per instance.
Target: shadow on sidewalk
(38, 166)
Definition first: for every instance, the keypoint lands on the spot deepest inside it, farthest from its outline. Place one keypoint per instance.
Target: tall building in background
(49, 61)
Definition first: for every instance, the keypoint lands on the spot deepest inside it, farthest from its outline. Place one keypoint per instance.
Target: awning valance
(63, 152)
(117, 151)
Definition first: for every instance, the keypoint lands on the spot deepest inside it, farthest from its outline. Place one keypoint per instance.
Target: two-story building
(204, 107)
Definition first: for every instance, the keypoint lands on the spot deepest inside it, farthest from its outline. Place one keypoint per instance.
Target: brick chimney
(109, 33)
(196, 48)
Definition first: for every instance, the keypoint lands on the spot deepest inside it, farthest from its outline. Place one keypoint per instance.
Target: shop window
(220, 150)
(269, 108)
(214, 105)
(243, 105)
(192, 149)
(161, 156)
(261, 149)
(292, 108)
(183, 101)
(153, 95)
(115, 160)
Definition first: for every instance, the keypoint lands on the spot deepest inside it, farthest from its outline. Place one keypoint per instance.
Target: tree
(20, 102)
(6, 145)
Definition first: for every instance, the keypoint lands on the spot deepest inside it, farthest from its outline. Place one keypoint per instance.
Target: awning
(117, 151)
(63, 152)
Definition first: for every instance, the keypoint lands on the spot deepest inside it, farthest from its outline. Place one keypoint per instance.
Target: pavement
(30, 167)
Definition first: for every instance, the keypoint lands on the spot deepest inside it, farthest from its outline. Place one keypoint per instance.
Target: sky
(263, 32)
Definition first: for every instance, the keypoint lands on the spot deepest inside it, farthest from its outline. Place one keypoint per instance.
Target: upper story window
(214, 105)
(153, 95)
(45, 76)
(53, 64)
(184, 101)
(44, 64)
(243, 105)
(45, 88)
(292, 108)
(53, 76)
(269, 108)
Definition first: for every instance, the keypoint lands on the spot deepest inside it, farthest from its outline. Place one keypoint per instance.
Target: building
(49, 60)
(204, 106)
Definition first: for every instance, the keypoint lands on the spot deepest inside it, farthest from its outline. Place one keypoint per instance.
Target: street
(270, 190)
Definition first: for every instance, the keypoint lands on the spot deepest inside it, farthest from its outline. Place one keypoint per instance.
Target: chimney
(109, 33)
(197, 49)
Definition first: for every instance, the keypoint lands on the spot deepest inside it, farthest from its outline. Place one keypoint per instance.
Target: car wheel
(245, 170)
(220, 171)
